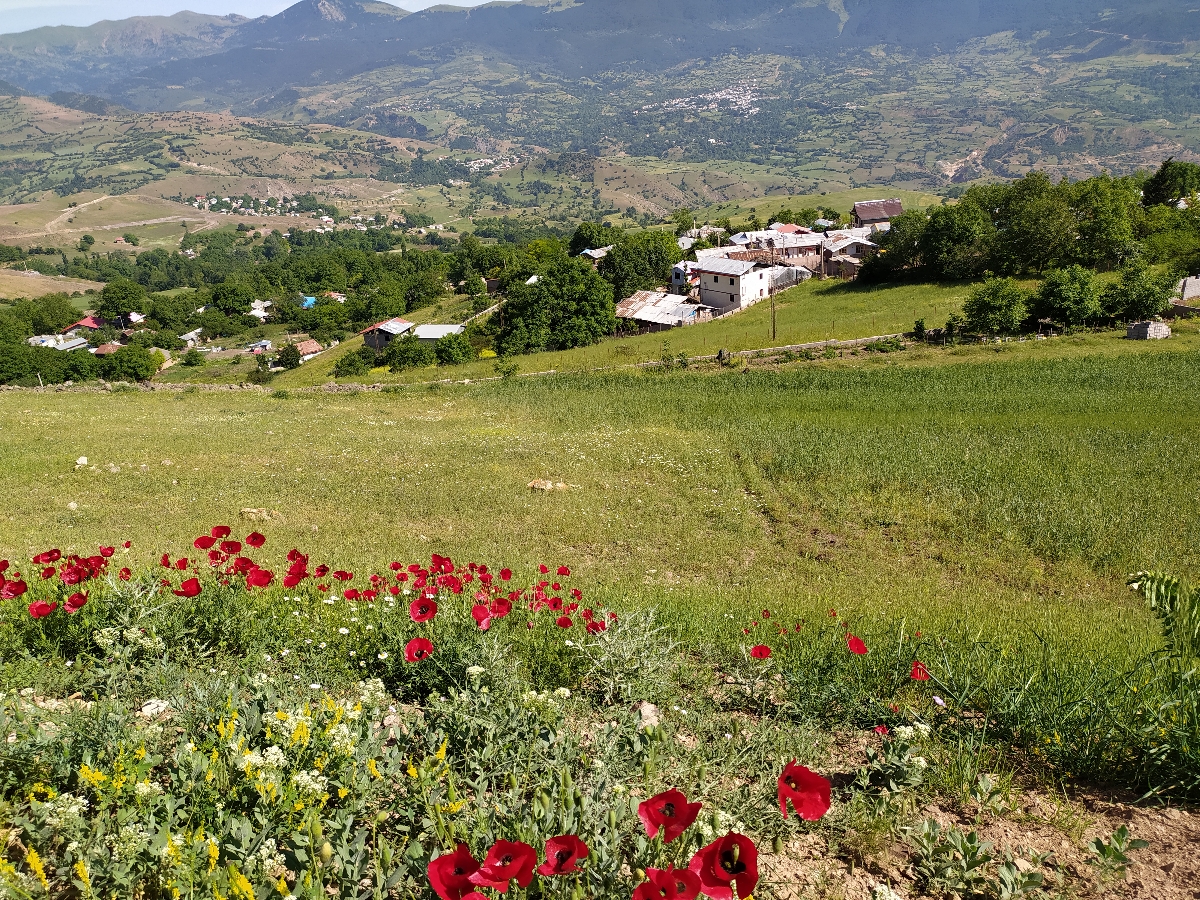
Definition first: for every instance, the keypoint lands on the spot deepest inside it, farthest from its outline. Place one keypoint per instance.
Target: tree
(86, 243)
(120, 297)
(1140, 294)
(1104, 209)
(569, 306)
(685, 221)
(288, 357)
(129, 364)
(454, 350)
(1174, 181)
(130, 239)
(641, 262)
(591, 235)
(956, 242)
(408, 352)
(899, 248)
(1070, 297)
(997, 306)
(193, 358)
(233, 296)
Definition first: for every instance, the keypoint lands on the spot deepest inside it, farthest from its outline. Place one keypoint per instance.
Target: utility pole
(772, 318)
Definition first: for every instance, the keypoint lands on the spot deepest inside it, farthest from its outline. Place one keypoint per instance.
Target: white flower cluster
(372, 694)
(272, 861)
(109, 638)
(909, 732)
(725, 824)
(147, 789)
(269, 762)
(128, 842)
(341, 738)
(311, 782)
(65, 809)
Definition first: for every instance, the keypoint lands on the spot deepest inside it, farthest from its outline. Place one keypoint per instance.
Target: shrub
(357, 362)
(288, 357)
(408, 352)
(998, 306)
(193, 358)
(1070, 297)
(454, 350)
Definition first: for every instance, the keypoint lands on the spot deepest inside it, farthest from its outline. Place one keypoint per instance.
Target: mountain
(84, 60)
(224, 62)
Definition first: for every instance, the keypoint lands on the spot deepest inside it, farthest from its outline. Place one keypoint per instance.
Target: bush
(998, 306)
(129, 364)
(357, 362)
(288, 357)
(454, 350)
(569, 306)
(1070, 297)
(1140, 294)
(193, 358)
(409, 353)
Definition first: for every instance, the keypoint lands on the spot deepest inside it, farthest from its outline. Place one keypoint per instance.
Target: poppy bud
(380, 817)
(512, 781)
(641, 875)
(612, 820)
(777, 844)
(716, 821)
(567, 783)
(702, 772)
(326, 853)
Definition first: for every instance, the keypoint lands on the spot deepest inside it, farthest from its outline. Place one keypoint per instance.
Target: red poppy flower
(919, 672)
(320, 571)
(417, 649)
(189, 588)
(259, 578)
(50, 556)
(231, 547)
(564, 572)
(322, 587)
(807, 791)
(762, 651)
(506, 574)
(165, 562)
(563, 622)
(48, 572)
(39, 609)
(545, 570)
(668, 812)
(450, 874)
(291, 581)
(499, 608)
(127, 544)
(125, 575)
(727, 866)
(220, 532)
(766, 614)
(881, 729)
(668, 884)
(106, 552)
(561, 855)
(833, 613)
(204, 542)
(343, 576)
(351, 594)
(596, 627)
(857, 647)
(3, 566)
(505, 861)
(10, 590)
(255, 540)
(181, 564)
(917, 635)
(74, 603)
(482, 616)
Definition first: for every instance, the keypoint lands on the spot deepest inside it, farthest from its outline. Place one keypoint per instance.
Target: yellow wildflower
(213, 852)
(281, 886)
(281, 715)
(412, 770)
(452, 807)
(35, 866)
(299, 805)
(374, 769)
(342, 792)
(92, 776)
(300, 733)
(239, 885)
(81, 872)
(441, 754)
(47, 793)
(140, 753)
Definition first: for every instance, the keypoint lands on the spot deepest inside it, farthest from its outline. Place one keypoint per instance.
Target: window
(730, 281)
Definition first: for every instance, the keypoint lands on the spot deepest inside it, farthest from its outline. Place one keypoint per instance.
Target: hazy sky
(21, 15)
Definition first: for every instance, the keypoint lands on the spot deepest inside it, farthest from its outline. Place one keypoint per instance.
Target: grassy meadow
(974, 508)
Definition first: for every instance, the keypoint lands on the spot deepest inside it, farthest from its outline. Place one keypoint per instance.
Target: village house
(431, 334)
(843, 256)
(258, 309)
(595, 255)
(106, 349)
(86, 324)
(58, 342)
(729, 285)
(378, 336)
(868, 213)
(308, 349)
(655, 311)
(192, 338)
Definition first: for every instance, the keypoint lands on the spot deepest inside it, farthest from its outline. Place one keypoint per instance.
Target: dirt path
(52, 227)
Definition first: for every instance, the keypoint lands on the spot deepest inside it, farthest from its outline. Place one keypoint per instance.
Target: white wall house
(730, 284)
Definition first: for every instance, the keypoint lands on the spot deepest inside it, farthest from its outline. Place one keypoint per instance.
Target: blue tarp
(309, 302)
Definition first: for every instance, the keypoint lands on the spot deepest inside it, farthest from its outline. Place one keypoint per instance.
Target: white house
(192, 338)
(434, 333)
(728, 285)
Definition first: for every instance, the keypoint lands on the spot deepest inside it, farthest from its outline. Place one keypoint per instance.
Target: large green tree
(120, 297)
(998, 306)
(1140, 294)
(641, 262)
(1069, 297)
(1174, 181)
(957, 241)
(569, 306)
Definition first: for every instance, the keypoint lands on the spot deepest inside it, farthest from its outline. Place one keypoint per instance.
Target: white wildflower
(310, 782)
(343, 631)
(475, 671)
(564, 693)
(147, 789)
